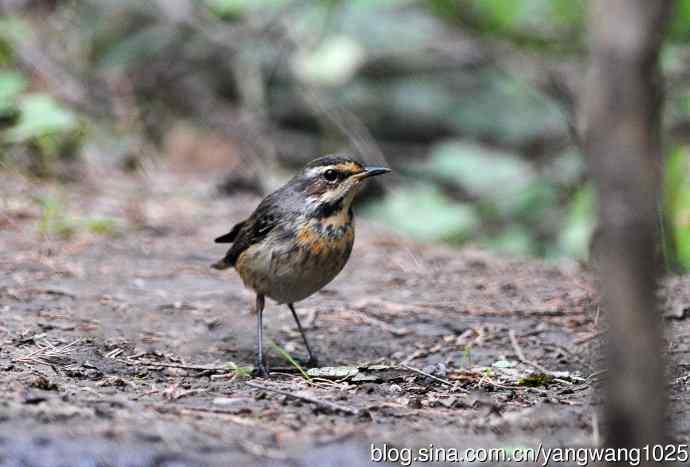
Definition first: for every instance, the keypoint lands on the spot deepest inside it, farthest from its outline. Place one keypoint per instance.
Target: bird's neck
(337, 219)
(336, 208)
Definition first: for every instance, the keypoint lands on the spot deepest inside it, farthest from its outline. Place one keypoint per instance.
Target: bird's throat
(330, 208)
(337, 219)
(338, 207)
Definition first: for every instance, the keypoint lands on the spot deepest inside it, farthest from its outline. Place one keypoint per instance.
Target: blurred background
(470, 101)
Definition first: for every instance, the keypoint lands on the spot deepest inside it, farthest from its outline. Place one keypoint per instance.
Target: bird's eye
(330, 175)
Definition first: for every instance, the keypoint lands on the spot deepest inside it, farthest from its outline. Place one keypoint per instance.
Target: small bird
(298, 239)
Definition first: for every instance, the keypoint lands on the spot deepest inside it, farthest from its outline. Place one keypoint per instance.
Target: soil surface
(121, 347)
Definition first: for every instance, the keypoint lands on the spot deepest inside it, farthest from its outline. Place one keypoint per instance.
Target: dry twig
(435, 378)
(396, 331)
(50, 355)
(230, 415)
(588, 337)
(319, 402)
(521, 355)
(216, 369)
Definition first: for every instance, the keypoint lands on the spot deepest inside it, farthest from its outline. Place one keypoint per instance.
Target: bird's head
(330, 183)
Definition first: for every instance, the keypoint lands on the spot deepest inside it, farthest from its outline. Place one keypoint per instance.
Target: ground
(121, 346)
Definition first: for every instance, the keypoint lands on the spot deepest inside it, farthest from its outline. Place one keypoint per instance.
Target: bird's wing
(248, 232)
(230, 236)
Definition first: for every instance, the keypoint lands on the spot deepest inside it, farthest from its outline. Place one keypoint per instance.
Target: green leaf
(370, 6)
(399, 31)
(101, 226)
(138, 46)
(54, 219)
(579, 225)
(333, 63)
(12, 84)
(680, 21)
(13, 29)
(533, 202)
(539, 23)
(40, 115)
(424, 99)
(566, 169)
(498, 177)
(497, 14)
(425, 213)
(239, 8)
(286, 355)
(447, 9)
(568, 12)
(515, 239)
(506, 109)
(677, 203)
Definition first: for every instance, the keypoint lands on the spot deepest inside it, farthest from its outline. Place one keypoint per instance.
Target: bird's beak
(372, 172)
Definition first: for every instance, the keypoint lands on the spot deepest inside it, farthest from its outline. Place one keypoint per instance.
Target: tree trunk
(622, 108)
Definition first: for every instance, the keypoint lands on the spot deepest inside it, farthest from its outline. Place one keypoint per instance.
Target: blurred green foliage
(235, 9)
(510, 206)
(680, 21)
(542, 24)
(37, 121)
(34, 124)
(459, 82)
(42, 119)
(424, 212)
(677, 207)
(55, 221)
(12, 85)
(578, 224)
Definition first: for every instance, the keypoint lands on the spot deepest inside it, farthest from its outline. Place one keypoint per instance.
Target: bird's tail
(222, 264)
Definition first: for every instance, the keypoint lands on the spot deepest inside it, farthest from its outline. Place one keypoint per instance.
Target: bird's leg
(261, 369)
(312, 359)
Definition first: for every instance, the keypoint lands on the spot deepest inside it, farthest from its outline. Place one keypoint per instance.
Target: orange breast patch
(314, 237)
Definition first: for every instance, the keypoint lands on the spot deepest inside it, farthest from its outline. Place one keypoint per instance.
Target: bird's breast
(333, 235)
(300, 259)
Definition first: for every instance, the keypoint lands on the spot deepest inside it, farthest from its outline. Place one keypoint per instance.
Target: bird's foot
(260, 370)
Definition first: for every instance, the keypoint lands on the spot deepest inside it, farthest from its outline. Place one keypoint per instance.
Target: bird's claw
(311, 362)
(260, 370)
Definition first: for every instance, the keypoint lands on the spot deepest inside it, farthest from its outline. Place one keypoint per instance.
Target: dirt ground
(121, 347)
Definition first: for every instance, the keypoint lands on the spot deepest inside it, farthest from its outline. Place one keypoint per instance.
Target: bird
(298, 238)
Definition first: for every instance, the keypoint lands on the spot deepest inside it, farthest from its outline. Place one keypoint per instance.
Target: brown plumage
(299, 237)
